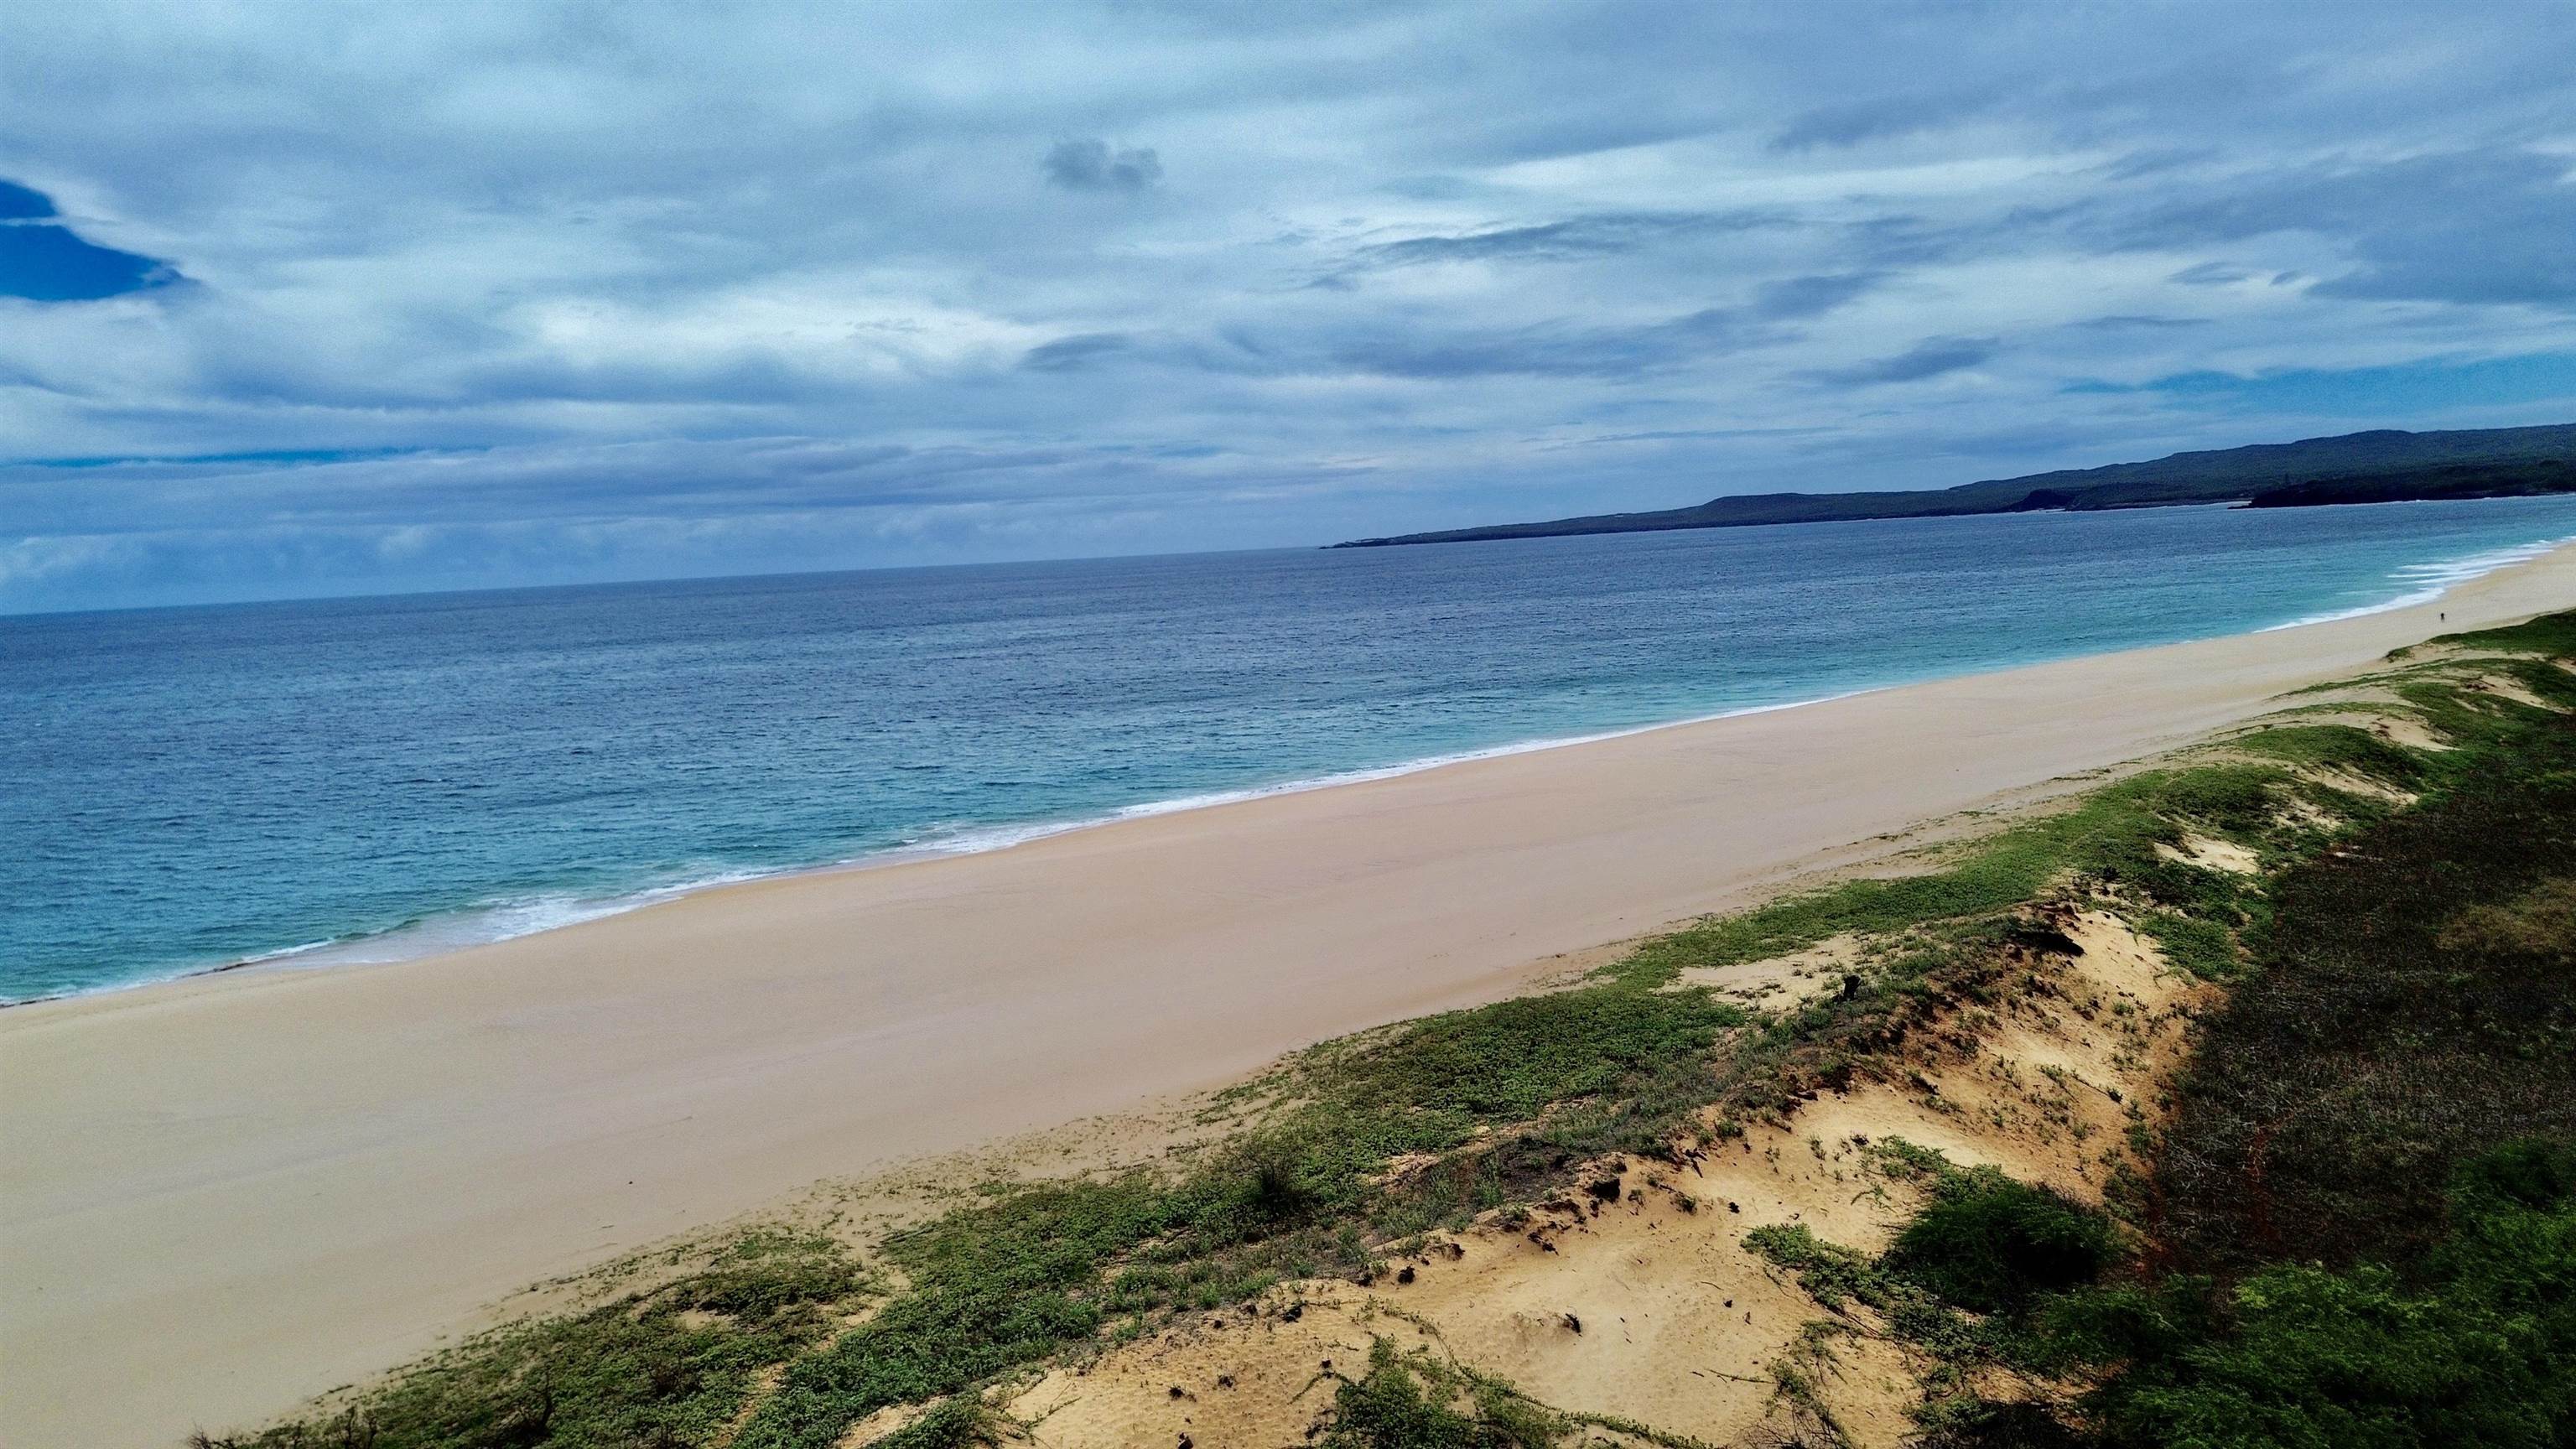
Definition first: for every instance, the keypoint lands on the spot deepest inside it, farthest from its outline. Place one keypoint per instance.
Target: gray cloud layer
(1092, 166)
(484, 294)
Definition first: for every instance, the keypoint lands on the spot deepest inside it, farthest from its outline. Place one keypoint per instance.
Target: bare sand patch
(1782, 982)
(2225, 856)
(1648, 1305)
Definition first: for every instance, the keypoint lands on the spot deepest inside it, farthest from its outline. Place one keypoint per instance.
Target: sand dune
(1651, 1307)
(221, 1195)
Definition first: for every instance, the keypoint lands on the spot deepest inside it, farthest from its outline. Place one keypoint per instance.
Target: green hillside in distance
(2381, 466)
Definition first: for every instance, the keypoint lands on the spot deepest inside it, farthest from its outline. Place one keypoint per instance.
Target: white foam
(2426, 582)
(1434, 762)
(483, 925)
(975, 840)
(480, 925)
(507, 920)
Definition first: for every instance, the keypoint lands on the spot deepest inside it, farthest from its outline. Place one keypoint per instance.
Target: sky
(331, 299)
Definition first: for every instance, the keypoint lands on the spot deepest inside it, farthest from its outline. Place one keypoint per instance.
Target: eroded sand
(1650, 1307)
(222, 1195)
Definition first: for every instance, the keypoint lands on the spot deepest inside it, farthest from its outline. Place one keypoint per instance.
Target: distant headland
(2383, 466)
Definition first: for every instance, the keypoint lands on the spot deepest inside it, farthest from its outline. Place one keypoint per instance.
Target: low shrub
(1416, 1401)
(1993, 1245)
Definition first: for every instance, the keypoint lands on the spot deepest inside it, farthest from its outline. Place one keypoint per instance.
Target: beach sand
(221, 1195)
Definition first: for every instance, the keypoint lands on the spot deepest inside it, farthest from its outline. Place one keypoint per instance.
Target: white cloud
(652, 289)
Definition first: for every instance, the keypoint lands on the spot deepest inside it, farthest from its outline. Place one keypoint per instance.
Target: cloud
(1561, 348)
(548, 291)
(2131, 321)
(1574, 239)
(1932, 357)
(1810, 296)
(2540, 378)
(2481, 226)
(1878, 118)
(2212, 274)
(1068, 354)
(1092, 166)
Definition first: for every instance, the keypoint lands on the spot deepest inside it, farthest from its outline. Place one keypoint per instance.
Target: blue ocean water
(360, 779)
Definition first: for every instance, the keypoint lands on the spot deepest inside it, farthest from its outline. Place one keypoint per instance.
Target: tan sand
(1650, 1307)
(224, 1194)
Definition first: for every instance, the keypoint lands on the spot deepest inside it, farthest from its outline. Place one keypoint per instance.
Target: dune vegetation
(2230, 1101)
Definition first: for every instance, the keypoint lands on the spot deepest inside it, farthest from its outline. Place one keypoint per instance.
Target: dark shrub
(1990, 1244)
(1986, 1424)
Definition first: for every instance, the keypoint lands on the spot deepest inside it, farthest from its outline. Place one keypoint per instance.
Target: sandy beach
(221, 1195)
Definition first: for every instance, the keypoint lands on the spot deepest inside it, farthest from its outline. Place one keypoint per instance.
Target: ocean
(367, 779)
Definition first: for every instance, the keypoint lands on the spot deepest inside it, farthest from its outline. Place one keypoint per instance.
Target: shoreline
(423, 938)
(264, 1184)
(297, 958)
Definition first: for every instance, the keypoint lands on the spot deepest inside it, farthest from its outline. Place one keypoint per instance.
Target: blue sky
(340, 299)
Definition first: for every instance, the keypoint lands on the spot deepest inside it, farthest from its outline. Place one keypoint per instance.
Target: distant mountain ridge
(2385, 465)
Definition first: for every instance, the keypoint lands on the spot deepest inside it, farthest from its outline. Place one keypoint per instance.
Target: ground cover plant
(1421, 1401)
(2469, 1341)
(2468, 889)
(2360, 1226)
(1965, 1284)
(2412, 1007)
(668, 1366)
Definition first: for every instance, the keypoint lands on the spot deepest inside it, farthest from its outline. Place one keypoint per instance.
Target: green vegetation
(671, 1366)
(1961, 1283)
(1045, 1268)
(2472, 1344)
(2410, 1009)
(2552, 635)
(2376, 466)
(2400, 1009)
(2533, 479)
(1418, 1401)
(1423, 1400)
(2109, 837)
(1993, 1245)
(2361, 1224)
(963, 1422)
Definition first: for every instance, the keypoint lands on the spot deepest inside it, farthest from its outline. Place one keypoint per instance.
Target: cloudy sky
(353, 298)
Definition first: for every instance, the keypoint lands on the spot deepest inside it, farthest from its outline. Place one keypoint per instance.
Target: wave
(476, 925)
(976, 841)
(484, 924)
(2425, 582)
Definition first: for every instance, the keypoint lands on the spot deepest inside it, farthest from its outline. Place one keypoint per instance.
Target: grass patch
(1045, 1269)
(1830, 1273)
(1960, 1283)
(2347, 748)
(2110, 836)
(964, 1422)
(2476, 1346)
(2409, 1008)
(2553, 635)
(2362, 1217)
(1993, 1245)
(1418, 1401)
(667, 1367)
(2205, 948)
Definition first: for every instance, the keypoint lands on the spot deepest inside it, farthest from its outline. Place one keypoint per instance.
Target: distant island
(2384, 466)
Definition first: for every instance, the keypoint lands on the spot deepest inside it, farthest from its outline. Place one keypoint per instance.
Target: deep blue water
(183, 788)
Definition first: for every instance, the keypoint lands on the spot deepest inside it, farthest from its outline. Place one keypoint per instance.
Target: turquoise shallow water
(358, 779)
